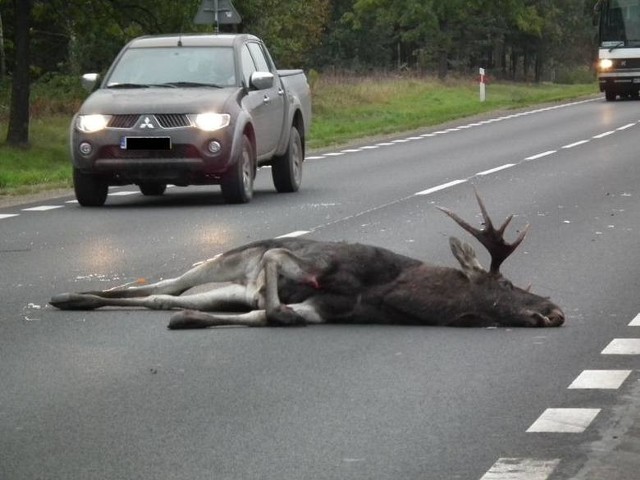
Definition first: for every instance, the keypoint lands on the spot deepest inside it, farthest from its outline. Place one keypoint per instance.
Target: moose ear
(466, 256)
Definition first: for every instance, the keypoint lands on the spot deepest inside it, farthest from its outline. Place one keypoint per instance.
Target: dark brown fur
(289, 281)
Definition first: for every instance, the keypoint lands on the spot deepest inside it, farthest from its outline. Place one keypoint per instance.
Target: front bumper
(189, 159)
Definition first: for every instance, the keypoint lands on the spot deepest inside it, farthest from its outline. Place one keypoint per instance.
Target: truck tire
(610, 95)
(286, 170)
(91, 190)
(152, 189)
(237, 183)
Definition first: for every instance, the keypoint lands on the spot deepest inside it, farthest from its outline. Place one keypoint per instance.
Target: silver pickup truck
(190, 110)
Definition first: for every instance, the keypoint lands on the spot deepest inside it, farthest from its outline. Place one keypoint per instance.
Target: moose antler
(490, 237)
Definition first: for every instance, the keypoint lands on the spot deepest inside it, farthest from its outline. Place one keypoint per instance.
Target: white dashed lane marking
(541, 155)
(123, 194)
(564, 420)
(8, 215)
(600, 379)
(497, 169)
(441, 187)
(297, 233)
(576, 144)
(42, 208)
(635, 322)
(521, 469)
(623, 346)
(605, 134)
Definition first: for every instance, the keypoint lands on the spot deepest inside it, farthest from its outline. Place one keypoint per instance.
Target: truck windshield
(174, 66)
(619, 23)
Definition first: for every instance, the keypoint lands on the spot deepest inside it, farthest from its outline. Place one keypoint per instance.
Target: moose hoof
(74, 301)
(285, 317)
(189, 319)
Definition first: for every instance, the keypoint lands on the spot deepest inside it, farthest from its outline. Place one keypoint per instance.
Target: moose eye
(506, 284)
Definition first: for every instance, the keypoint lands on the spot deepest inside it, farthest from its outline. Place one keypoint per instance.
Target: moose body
(294, 282)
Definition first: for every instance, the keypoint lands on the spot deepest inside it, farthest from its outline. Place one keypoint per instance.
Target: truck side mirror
(261, 80)
(88, 81)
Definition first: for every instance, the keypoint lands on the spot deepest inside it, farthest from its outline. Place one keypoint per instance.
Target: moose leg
(228, 297)
(280, 261)
(188, 319)
(240, 267)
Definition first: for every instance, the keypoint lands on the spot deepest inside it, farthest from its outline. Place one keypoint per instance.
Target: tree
(18, 131)
(291, 29)
(3, 61)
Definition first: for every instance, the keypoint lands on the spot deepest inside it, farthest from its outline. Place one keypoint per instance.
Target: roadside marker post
(483, 93)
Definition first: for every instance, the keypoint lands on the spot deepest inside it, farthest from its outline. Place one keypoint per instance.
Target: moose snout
(556, 318)
(544, 317)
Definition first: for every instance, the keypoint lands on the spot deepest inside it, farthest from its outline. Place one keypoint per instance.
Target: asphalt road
(113, 394)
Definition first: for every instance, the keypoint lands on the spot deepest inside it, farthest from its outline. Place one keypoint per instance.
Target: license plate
(146, 143)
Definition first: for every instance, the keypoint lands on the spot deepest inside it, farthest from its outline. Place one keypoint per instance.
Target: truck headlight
(210, 122)
(605, 64)
(92, 123)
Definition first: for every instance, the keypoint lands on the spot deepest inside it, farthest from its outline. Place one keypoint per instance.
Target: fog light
(85, 148)
(214, 146)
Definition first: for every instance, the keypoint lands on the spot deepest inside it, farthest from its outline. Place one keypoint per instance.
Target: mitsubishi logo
(146, 123)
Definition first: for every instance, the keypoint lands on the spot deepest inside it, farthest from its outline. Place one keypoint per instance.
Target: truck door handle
(280, 92)
(266, 100)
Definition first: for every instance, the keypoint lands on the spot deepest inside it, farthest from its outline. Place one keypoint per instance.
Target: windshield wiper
(127, 85)
(617, 45)
(188, 84)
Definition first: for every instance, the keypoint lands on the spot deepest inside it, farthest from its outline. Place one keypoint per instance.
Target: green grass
(44, 165)
(344, 109)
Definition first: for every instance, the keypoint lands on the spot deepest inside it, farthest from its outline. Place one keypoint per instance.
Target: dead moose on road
(295, 282)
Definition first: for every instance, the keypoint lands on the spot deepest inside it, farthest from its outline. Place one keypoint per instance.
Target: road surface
(113, 394)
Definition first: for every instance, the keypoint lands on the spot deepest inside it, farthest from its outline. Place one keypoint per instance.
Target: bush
(574, 76)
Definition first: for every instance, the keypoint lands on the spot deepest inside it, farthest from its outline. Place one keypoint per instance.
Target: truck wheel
(152, 189)
(91, 190)
(610, 95)
(286, 170)
(237, 184)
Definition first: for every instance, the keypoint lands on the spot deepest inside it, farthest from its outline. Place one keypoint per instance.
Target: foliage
(516, 39)
(530, 40)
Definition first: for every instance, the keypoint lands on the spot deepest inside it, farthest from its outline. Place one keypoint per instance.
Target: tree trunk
(18, 131)
(3, 60)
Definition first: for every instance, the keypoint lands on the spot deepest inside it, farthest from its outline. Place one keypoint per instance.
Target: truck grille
(173, 120)
(165, 120)
(122, 121)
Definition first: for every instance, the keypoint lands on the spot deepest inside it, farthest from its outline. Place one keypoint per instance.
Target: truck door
(266, 106)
